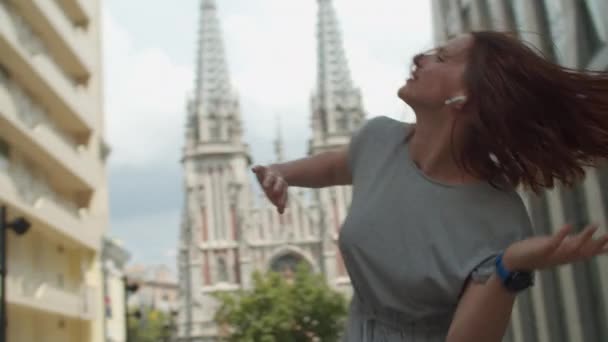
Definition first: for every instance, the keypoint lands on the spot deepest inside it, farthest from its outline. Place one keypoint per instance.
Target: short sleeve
(518, 221)
(358, 141)
(482, 272)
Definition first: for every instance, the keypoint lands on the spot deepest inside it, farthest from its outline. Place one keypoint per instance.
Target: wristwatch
(514, 281)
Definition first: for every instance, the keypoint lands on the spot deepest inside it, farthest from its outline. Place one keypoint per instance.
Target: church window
(222, 270)
(214, 131)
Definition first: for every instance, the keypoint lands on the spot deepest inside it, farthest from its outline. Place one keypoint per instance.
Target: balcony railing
(78, 302)
(32, 42)
(79, 11)
(38, 125)
(63, 38)
(45, 75)
(33, 188)
(32, 114)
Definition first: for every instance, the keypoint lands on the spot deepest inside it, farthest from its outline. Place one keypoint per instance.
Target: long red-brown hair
(536, 121)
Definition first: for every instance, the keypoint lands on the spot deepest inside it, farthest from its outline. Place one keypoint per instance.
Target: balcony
(42, 295)
(26, 56)
(79, 11)
(66, 42)
(31, 195)
(29, 128)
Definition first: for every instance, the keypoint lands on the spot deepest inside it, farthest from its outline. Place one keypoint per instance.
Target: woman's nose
(418, 60)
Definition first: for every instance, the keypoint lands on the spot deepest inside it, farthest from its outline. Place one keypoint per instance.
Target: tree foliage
(147, 325)
(303, 308)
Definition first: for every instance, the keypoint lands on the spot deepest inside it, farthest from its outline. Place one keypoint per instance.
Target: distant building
(157, 288)
(114, 258)
(569, 303)
(53, 167)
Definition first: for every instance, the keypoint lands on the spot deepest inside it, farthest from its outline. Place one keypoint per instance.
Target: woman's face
(438, 75)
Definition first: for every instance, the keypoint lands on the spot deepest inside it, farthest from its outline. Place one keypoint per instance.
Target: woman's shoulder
(384, 127)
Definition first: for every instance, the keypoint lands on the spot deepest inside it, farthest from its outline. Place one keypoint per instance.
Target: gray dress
(409, 243)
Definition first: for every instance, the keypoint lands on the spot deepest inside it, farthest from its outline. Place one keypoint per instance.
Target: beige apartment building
(52, 167)
(569, 303)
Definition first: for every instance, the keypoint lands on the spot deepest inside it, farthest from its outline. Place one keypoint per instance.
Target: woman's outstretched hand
(273, 184)
(553, 250)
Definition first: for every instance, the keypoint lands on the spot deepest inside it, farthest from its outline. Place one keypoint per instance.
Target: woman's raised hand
(554, 250)
(273, 184)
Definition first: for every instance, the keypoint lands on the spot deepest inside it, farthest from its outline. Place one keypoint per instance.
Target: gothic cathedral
(226, 233)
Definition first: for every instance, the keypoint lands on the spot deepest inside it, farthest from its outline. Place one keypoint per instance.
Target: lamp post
(20, 226)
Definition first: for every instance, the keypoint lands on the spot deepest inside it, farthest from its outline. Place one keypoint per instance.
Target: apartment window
(586, 274)
(539, 215)
(590, 41)
(5, 154)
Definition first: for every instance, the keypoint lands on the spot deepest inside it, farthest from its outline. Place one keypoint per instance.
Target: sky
(149, 53)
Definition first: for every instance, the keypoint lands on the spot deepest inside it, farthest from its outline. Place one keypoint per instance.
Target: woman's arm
(484, 309)
(321, 170)
(483, 312)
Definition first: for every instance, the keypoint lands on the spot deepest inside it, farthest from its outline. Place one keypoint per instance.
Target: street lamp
(20, 226)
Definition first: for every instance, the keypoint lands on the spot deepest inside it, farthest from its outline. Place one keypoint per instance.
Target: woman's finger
(599, 245)
(259, 172)
(279, 185)
(558, 239)
(581, 240)
(268, 181)
(282, 202)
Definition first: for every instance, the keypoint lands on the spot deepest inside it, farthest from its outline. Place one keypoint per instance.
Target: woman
(437, 242)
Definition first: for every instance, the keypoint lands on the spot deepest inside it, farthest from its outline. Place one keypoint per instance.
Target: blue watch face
(519, 281)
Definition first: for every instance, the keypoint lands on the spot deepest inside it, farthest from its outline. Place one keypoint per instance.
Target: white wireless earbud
(459, 98)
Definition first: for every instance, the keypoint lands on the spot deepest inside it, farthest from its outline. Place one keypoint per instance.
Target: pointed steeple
(278, 143)
(214, 109)
(336, 104)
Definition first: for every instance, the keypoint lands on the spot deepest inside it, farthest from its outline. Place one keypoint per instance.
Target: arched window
(222, 270)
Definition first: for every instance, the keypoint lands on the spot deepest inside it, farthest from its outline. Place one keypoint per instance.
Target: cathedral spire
(214, 109)
(337, 108)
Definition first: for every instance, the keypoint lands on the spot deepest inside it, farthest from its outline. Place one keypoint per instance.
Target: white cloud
(145, 99)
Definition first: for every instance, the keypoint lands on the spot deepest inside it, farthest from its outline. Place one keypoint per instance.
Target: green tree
(147, 325)
(276, 309)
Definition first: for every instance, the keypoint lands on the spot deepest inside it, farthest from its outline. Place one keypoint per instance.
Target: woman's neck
(434, 149)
